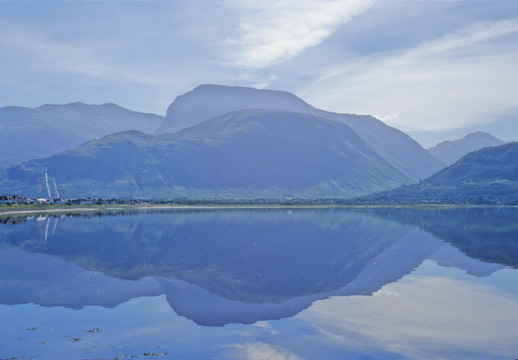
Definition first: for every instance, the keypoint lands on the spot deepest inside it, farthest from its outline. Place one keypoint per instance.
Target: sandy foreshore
(5, 212)
(106, 208)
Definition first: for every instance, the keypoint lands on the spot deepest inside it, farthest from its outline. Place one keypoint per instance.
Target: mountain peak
(49, 129)
(236, 90)
(481, 135)
(252, 153)
(208, 101)
(451, 151)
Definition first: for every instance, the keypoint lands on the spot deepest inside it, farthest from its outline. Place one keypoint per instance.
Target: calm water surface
(261, 284)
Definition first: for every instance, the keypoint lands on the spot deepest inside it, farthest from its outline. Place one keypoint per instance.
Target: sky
(436, 70)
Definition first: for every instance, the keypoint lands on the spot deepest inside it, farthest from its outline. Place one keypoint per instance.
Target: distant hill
(489, 175)
(244, 154)
(34, 133)
(208, 101)
(450, 151)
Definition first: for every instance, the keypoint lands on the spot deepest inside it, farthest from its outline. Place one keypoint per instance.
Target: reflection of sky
(426, 317)
(433, 312)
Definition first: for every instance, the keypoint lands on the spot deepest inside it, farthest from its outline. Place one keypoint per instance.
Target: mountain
(489, 175)
(244, 154)
(34, 133)
(450, 151)
(208, 101)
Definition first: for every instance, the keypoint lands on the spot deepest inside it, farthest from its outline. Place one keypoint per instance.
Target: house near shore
(13, 199)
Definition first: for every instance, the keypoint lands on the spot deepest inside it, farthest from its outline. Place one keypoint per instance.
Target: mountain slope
(486, 176)
(450, 151)
(208, 101)
(245, 154)
(49, 129)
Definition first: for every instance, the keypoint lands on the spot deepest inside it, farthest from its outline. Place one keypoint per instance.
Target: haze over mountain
(489, 175)
(244, 154)
(208, 101)
(34, 133)
(450, 151)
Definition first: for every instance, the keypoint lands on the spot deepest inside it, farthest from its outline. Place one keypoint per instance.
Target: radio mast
(56, 187)
(47, 185)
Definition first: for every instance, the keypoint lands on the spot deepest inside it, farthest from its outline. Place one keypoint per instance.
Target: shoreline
(61, 209)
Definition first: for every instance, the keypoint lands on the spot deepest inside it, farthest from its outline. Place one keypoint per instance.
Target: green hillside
(245, 154)
(487, 176)
(47, 130)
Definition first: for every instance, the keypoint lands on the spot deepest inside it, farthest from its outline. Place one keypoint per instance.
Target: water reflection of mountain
(486, 233)
(219, 267)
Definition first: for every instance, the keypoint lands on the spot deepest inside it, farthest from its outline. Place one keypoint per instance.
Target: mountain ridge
(30, 133)
(208, 101)
(245, 154)
(451, 151)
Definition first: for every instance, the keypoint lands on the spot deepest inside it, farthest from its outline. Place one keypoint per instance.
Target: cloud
(274, 31)
(30, 45)
(259, 350)
(465, 37)
(41, 51)
(442, 84)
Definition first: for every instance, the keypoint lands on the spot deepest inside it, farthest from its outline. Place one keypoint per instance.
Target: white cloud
(262, 324)
(463, 38)
(265, 82)
(259, 350)
(273, 31)
(438, 85)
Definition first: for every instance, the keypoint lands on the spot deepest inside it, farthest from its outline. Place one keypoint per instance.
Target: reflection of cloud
(438, 85)
(431, 317)
(260, 350)
(275, 31)
(386, 292)
(262, 324)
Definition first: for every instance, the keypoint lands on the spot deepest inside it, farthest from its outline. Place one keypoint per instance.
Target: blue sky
(434, 69)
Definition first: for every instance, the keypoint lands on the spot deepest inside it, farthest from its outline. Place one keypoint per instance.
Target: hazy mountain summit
(450, 151)
(29, 133)
(208, 101)
(244, 154)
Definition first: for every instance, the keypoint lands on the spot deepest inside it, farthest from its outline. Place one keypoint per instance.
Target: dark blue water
(261, 284)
